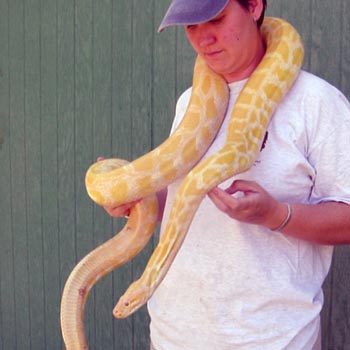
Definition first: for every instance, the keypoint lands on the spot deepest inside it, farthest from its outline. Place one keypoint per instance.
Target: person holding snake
(249, 273)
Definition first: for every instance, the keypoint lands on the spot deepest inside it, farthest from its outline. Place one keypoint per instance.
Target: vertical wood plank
(142, 77)
(102, 124)
(18, 173)
(345, 49)
(83, 140)
(325, 51)
(339, 315)
(164, 78)
(83, 119)
(326, 311)
(66, 138)
(33, 174)
(325, 61)
(143, 31)
(66, 134)
(49, 150)
(8, 322)
(122, 41)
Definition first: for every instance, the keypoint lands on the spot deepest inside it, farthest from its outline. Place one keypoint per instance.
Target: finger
(221, 199)
(121, 210)
(115, 212)
(242, 187)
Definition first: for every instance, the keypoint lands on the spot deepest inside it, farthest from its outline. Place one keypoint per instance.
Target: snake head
(134, 298)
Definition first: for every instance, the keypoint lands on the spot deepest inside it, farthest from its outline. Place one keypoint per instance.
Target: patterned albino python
(109, 184)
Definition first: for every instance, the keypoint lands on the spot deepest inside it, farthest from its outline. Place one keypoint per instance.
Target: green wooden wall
(86, 78)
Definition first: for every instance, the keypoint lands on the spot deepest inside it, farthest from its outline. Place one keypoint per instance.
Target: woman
(249, 274)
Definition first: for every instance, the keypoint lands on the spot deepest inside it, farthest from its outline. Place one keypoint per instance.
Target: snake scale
(114, 182)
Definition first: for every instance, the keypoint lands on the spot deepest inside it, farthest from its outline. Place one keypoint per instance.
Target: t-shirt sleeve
(329, 148)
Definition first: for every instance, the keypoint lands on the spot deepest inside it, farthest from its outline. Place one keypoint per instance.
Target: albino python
(112, 182)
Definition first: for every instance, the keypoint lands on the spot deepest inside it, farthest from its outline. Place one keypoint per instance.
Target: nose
(206, 41)
(201, 36)
(206, 38)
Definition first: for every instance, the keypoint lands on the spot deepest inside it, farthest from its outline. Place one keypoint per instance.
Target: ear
(256, 8)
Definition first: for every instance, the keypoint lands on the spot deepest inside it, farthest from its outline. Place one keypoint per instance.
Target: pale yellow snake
(111, 185)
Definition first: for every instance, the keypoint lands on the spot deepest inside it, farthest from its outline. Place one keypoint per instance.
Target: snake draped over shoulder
(114, 182)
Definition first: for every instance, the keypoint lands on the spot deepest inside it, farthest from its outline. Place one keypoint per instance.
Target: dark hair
(245, 4)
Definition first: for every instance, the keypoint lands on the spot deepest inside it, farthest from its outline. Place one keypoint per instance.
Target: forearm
(325, 223)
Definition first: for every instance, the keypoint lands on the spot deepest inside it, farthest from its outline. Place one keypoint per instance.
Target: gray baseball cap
(185, 12)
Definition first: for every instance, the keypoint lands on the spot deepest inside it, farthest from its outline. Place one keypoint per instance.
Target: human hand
(121, 210)
(247, 201)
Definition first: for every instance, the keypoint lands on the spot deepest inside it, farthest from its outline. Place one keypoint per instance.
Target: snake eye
(126, 303)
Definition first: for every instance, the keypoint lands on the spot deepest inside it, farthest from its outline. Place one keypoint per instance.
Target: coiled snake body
(110, 183)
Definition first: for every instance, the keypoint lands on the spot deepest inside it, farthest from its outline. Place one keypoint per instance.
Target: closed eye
(217, 20)
(191, 26)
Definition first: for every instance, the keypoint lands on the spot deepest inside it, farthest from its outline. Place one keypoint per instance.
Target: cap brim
(187, 12)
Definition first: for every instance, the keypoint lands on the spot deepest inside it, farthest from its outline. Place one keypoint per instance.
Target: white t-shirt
(240, 286)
